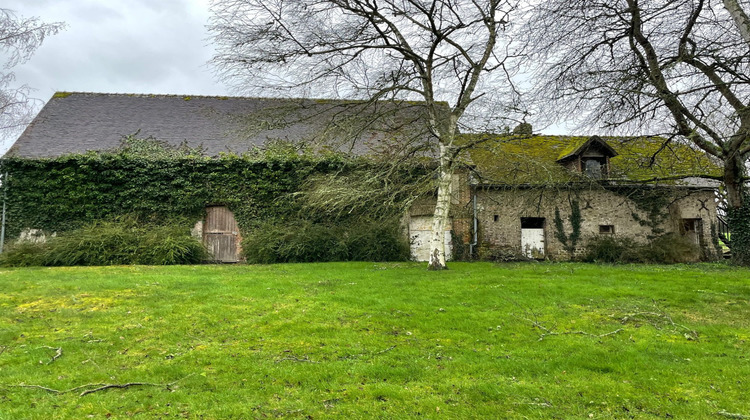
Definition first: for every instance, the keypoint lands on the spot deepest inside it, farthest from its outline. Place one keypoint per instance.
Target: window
(606, 229)
(595, 167)
(497, 218)
(690, 225)
(692, 229)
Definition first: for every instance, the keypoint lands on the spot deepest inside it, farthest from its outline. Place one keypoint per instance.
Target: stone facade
(504, 213)
(528, 209)
(501, 215)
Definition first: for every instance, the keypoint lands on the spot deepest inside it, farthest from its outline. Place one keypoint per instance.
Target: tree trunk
(442, 211)
(740, 18)
(738, 210)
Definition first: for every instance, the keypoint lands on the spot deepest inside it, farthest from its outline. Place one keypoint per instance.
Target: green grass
(366, 340)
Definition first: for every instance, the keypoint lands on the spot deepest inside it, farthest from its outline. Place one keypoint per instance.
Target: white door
(420, 232)
(532, 243)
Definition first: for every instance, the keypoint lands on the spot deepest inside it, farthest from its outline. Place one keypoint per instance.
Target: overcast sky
(122, 46)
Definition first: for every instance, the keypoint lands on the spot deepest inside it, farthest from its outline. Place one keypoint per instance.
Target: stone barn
(541, 197)
(546, 197)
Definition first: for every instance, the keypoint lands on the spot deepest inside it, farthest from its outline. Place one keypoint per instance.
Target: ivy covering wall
(155, 183)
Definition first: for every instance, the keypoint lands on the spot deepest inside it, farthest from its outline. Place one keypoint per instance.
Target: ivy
(738, 220)
(653, 202)
(151, 181)
(569, 242)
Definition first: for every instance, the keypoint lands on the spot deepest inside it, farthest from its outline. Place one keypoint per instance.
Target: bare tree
(19, 38)
(435, 51)
(677, 68)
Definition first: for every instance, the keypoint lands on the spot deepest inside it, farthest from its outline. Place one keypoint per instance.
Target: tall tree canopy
(677, 68)
(19, 38)
(438, 52)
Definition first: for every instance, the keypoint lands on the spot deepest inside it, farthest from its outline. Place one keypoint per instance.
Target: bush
(608, 249)
(305, 241)
(486, 252)
(23, 254)
(119, 242)
(665, 249)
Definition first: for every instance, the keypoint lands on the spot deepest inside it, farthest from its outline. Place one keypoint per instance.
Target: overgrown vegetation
(376, 340)
(305, 241)
(156, 182)
(280, 191)
(665, 249)
(739, 220)
(123, 241)
(569, 242)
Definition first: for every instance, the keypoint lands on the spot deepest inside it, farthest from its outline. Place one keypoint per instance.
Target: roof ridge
(65, 94)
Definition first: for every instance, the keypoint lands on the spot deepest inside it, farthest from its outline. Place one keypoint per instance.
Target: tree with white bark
(19, 39)
(442, 53)
(675, 68)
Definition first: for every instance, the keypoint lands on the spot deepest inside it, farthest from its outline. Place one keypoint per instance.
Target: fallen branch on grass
(727, 414)
(121, 386)
(91, 388)
(58, 353)
(294, 358)
(55, 391)
(659, 315)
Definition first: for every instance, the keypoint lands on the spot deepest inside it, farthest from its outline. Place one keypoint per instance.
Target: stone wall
(603, 212)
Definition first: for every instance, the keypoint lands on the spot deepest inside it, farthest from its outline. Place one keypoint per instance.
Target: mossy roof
(516, 160)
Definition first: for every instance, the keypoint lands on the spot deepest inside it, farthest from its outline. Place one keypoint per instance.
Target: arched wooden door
(221, 235)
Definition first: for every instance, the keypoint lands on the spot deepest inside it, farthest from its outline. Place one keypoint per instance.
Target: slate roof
(80, 122)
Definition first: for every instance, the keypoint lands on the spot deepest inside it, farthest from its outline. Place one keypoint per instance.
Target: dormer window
(590, 158)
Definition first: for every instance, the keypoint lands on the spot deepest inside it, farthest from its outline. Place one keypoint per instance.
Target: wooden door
(221, 235)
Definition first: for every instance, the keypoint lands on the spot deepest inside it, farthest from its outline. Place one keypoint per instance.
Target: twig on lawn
(651, 317)
(294, 358)
(538, 404)
(99, 387)
(2, 349)
(55, 391)
(727, 414)
(548, 332)
(386, 350)
(58, 353)
(121, 386)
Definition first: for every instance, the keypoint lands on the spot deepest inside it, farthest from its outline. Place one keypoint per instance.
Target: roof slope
(534, 160)
(80, 122)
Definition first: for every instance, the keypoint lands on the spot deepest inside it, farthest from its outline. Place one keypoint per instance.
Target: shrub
(373, 240)
(23, 254)
(486, 252)
(305, 241)
(170, 245)
(118, 242)
(607, 249)
(665, 249)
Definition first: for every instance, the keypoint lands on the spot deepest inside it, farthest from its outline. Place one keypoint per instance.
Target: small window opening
(497, 218)
(595, 168)
(606, 229)
(532, 223)
(690, 225)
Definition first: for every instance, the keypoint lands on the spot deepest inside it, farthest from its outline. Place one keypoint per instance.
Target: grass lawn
(373, 340)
